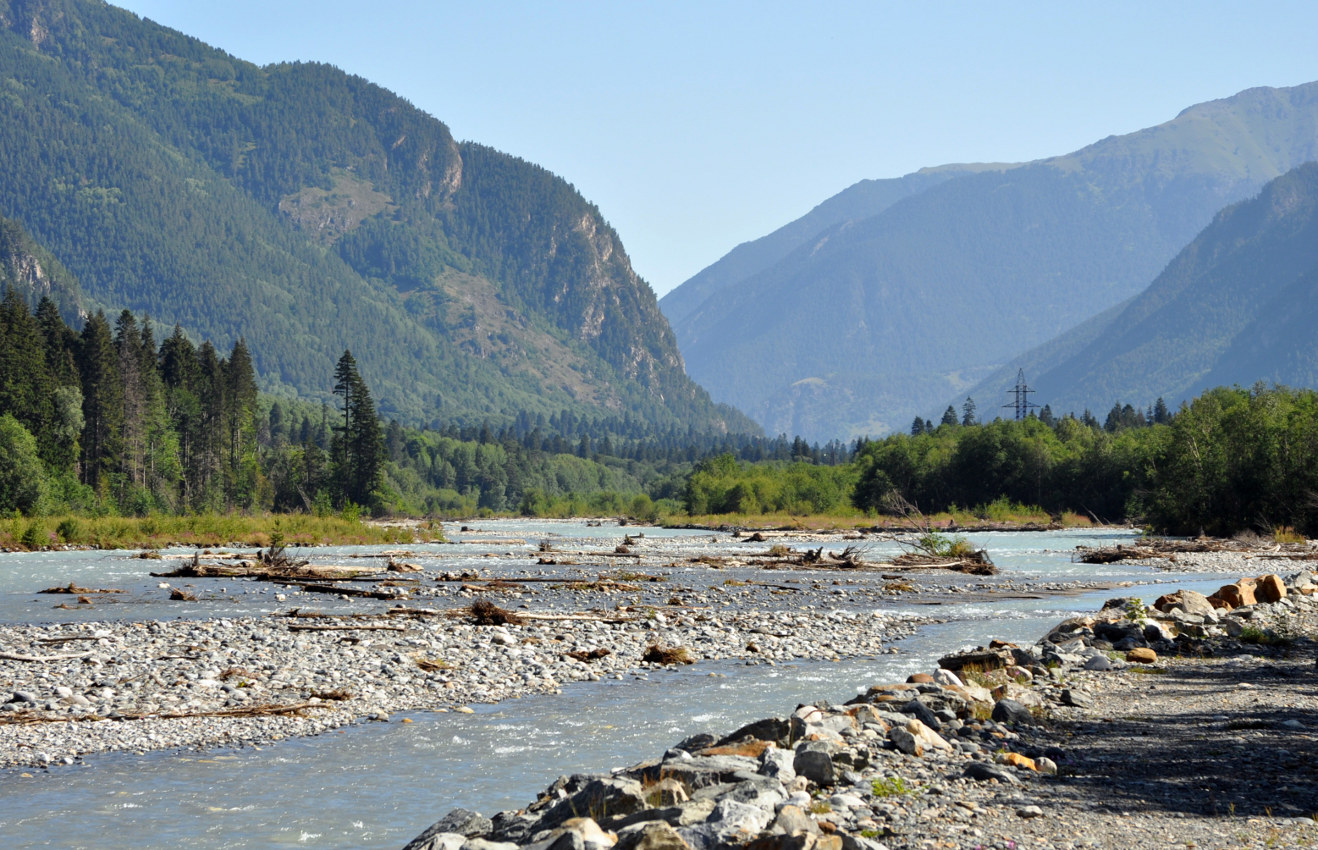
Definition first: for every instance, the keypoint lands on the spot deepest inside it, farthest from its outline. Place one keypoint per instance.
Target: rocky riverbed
(71, 690)
(1181, 724)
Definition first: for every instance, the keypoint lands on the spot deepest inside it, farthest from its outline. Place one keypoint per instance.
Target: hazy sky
(695, 126)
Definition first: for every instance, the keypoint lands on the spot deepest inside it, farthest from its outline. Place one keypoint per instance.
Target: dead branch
(12, 656)
(365, 627)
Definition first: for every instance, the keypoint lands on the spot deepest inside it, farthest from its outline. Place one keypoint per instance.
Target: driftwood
(12, 656)
(593, 655)
(73, 588)
(22, 718)
(1152, 548)
(341, 591)
(975, 563)
(485, 613)
(345, 627)
(69, 638)
(657, 654)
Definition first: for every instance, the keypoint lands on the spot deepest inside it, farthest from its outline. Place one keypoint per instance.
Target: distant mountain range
(311, 211)
(895, 296)
(1238, 305)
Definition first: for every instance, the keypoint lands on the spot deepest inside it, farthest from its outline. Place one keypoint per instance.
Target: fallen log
(13, 656)
(340, 591)
(365, 627)
(23, 718)
(73, 588)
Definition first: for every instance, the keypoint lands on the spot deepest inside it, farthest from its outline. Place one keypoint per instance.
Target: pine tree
(241, 472)
(102, 403)
(949, 416)
(968, 411)
(358, 446)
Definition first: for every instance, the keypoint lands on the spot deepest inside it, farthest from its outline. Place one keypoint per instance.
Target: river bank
(74, 690)
(321, 661)
(1187, 726)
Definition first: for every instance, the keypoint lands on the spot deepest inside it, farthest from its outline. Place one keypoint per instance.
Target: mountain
(875, 319)
(32, 272)
(310, 211)
(1238, 305)
(858, 201)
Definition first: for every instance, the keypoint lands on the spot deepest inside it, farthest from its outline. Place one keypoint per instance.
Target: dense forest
(309, 211)
(105, 420)
(1231, 460)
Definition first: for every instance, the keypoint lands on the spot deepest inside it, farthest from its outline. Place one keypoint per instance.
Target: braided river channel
(378, 784)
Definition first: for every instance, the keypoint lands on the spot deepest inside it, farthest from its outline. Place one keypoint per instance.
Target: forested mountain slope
(1238, 305)
(874, 321)
(33, 273)
(312, 211)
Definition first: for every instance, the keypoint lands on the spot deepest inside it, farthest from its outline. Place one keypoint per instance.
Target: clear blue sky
(695, 126)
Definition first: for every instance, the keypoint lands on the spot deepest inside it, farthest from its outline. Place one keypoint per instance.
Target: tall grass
(212, 529)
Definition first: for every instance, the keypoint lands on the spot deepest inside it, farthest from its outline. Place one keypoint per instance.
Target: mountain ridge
(888, 316)
(1235, 306)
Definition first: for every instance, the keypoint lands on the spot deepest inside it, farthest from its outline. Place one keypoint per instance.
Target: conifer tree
(102, 402)
(358, 444)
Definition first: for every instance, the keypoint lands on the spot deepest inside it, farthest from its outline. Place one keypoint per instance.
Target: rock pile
(949, 759)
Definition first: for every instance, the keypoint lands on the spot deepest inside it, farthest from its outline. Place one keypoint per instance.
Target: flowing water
(379, 784)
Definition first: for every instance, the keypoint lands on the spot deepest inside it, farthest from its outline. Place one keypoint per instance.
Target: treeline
(104, 419)
(1231, 460)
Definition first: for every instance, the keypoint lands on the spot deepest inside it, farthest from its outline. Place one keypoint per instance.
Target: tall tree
(102, 402)
(358, 444)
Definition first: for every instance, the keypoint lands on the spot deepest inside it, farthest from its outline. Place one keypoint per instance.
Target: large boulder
(1012, 712)
(1188, 601)
(454, 828)
(1270, 588)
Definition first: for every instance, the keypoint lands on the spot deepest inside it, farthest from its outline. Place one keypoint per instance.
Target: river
(379, 784)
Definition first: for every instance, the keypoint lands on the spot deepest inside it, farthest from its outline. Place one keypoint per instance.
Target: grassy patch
(1264, 637)
(892, 786)
(214, 529)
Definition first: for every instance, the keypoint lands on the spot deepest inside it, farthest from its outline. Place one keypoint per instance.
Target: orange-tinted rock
(920, 679)
(1270, 588)
(1225, 598)
(1189, 601)
(1141, 655)
(750, 749)
(1018, 760)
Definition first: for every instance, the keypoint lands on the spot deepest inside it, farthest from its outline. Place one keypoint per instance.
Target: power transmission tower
(1022, 392)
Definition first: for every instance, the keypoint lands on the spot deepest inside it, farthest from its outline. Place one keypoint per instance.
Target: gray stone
(760, 791)
(904, 741)
(814, 765)
(1098, 663)
(451, 831)
(429, 840)
(777, 764)
(599, 797)
(923, 713)
(739, 818)
(1011, 711)
(982, 771)
(654, 835)
(792, 820)
(484, 844)
(1029, 812)
(699, 771)
(465, 823)
(567, 839)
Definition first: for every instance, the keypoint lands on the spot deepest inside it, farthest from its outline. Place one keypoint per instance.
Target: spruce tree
(102, 402)
(358, 447)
